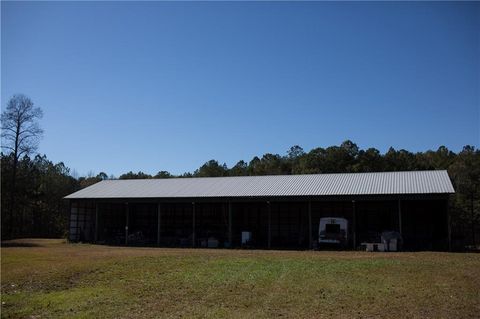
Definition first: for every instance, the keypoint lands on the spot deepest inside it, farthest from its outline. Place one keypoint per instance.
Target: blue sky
(167, 86)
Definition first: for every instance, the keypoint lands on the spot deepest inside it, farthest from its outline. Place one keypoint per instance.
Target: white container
(375, 246)
(212, 242)
(392, 245)
(246, 237)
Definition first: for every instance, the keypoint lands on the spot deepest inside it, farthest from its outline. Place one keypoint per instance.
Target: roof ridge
(272, 175)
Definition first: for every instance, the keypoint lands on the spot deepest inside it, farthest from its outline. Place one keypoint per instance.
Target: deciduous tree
(21, 133)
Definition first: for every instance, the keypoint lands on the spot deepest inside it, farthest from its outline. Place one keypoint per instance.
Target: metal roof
(382, 183)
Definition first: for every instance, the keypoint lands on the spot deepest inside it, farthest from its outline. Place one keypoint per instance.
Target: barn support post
(78, 229)
(127, 221)
(354, 224)
(193, 224)
(449, 225)
(400, 216)
(159, 218)
(96, 222)
(70, 220)
(230, 224)
(269, 242)
(310, 241)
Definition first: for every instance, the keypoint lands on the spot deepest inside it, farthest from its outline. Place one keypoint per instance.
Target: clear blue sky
(167, 86)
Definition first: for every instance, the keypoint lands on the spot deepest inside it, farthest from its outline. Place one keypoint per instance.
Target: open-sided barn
(270, 211)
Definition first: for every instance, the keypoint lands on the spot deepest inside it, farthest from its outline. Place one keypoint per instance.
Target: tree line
(33, 186)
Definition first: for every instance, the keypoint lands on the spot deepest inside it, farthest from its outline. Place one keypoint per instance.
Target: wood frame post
(70, 221)
(96, 222)
(449, 226)
(400, 228)
(269, 225)
(230, 224)
(159, 218)
(127, 222)
(310, 239)
(193, 224)
(354, 226)
(78, 229)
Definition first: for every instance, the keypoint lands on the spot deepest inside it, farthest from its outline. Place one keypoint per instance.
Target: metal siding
(414, 182)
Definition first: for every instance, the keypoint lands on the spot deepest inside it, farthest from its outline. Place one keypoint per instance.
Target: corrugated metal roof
(413, 182)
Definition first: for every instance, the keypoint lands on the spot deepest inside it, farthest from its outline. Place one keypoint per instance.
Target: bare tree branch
(20, 129)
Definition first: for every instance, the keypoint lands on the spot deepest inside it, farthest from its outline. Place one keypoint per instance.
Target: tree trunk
(14, 180)
(21, 226)
(12, 197)
(472, 213)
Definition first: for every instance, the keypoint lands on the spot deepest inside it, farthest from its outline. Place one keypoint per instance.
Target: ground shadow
(18, 244)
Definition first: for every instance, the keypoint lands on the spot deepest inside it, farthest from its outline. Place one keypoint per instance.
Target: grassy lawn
(51, 279)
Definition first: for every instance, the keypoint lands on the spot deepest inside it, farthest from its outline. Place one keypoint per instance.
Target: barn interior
(263, 224)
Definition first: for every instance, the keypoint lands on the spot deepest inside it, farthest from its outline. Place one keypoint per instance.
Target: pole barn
(281, 212)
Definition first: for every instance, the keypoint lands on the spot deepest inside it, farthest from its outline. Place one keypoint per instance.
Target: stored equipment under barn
(264, 211)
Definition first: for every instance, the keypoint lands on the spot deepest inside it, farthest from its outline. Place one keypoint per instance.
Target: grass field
(52, 279)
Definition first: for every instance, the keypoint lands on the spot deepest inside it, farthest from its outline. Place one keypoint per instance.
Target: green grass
(52, 279)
